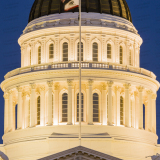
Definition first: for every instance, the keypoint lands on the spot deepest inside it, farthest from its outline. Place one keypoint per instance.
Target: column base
(69, 123)
(90, 124)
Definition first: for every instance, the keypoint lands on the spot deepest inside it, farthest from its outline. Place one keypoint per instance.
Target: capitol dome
(118, 107)
(114, 7)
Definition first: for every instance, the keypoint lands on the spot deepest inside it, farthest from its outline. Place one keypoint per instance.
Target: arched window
(121, 110)
(130, 57)
(78, 51)
(51, 51)
(95, 52)
(95, 107)
(82, 107)
(65, 51)
(38, 110)
(30, 57)
(109, 51)
(39, 55)
(121, 55)
(64, 107)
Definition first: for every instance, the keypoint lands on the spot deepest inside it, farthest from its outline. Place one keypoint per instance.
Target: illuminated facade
(115, 90)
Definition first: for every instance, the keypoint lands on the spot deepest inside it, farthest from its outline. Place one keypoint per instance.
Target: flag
(70, 4)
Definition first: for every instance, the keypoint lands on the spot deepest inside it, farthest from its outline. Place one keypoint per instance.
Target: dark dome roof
(114, 7)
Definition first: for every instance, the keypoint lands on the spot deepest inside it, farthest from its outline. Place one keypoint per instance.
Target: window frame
(38, 111)
(65, 53)
(110, 52)
(121, 56)
(97, 109)
(95, 53)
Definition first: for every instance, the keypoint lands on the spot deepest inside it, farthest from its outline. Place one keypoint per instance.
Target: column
(126, 56)
(56, 55)
(154, 96)
(90, 103)
(19, 109)
(33, 56)
(69, 102)
(33, 106)
(149, 92)
(10, 112)
(104, 105)
(6, 103)
(26, 108)
(140, 113)
(104, 57)
(116, 59)
(23, 115)
(110, 114)
(127, 105)
(88, 57)
(49, 117)
(136, 109)
(42, 107)
(71, 56)
(56, 104)
(73, 108)
(117, 110)
(43, 49)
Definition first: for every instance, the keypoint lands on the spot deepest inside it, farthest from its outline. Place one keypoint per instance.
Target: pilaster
(110, 112)
(49, 119)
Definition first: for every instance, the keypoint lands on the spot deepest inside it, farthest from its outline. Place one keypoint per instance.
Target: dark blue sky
(14, 17)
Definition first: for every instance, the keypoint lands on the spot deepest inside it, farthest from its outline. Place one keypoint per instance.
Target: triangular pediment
(80, 153)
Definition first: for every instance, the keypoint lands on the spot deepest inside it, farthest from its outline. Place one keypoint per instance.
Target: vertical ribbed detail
(40, 8)
(49, 7)
(37, 8)
(111, 8)
(31, 16)
(120, 7)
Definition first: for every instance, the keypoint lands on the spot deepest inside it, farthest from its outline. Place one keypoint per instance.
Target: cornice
(95, 74)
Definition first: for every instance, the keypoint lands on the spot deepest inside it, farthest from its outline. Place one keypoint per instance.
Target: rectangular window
(65, 52)
(81, 51)
(82, 104)
(109, 52)
(39, 55)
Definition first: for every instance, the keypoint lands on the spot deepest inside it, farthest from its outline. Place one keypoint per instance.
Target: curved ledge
(75, 65)
(93, 131)
(71, 19)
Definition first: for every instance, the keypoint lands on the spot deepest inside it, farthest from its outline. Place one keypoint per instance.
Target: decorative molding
(90, 82)
(154, 96)
(70, 82)
(110, 83)
(50, 83)
(127, 85)
(19, 89)
(33, 86)
(140, 88)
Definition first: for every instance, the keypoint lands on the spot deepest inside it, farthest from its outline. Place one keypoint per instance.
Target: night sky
(14, 18)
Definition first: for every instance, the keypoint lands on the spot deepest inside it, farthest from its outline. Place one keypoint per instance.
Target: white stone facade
(113, 124)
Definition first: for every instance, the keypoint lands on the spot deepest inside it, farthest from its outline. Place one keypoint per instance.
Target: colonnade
(109, 108)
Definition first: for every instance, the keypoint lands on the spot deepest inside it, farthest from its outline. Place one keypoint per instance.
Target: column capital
(70, 82)
(42, 88)
(117, 88)
(10, 92)
(33, 86)
(24, 94)
(5, 96)
(104, 86)
(19, 89)
(90, 82)
(140, 88)
(110, 83)
(127, 85)
(135, 93)
(149, 92)
(50, 83)
(154, 96)
(56, 86)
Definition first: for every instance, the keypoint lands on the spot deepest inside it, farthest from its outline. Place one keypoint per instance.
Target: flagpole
(80, 72)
